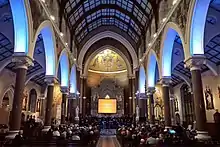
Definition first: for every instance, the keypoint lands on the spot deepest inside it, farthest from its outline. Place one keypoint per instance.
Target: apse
(107, 64)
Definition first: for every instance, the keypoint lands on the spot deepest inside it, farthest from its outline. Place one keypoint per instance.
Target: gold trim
(107, 72)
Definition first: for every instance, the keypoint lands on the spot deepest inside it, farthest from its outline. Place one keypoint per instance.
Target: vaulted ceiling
(129, 16)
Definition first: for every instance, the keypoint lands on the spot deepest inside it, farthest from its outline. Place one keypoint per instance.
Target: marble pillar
(84, 97)
(49, 101)
(130, 102)
(166, 99)
(195, 64)
(22, 64)
(150, 93)
(64, 91)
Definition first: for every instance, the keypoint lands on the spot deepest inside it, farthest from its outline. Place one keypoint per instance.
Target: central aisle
(108, 141)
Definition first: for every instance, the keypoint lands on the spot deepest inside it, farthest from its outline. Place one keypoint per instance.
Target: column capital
(165, 81)
(195, 62)
(22, 61)
(83, 77)
(64, 89)
(50, 80)
(42, 97)
(72, 96)
(150, 90)
(131, 77)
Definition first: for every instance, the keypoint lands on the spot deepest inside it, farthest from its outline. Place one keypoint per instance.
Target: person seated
(18, 140)
(151, 140)
(75, 136)
(56, 133)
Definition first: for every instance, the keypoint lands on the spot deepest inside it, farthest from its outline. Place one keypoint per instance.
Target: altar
(107, 98)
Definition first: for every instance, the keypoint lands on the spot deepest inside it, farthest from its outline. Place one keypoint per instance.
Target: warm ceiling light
(174, 2)
(66, 43)
(164, 19)
(74, 59)
(155, 35)
(140, 60)
(149, 44)
(61, 34)
(52, 17)
(43, 1)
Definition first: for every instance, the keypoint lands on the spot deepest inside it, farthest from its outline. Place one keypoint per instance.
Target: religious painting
(24, 103)
(209, 99)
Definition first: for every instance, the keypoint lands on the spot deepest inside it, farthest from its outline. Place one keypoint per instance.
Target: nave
(108, 141)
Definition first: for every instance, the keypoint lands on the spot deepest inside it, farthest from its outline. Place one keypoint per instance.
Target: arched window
(188, 105)
(32, 101)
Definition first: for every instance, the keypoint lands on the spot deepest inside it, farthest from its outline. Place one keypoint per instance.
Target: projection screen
(107, 106)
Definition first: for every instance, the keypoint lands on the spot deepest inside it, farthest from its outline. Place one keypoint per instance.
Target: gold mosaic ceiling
(107, 61)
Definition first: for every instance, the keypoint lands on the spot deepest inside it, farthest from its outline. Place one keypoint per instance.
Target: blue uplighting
(142, 80)
(198, 27)
(64, 66)
(21, 31)
(73, 86)
(151, 70)
(167, 52)
(50, 55)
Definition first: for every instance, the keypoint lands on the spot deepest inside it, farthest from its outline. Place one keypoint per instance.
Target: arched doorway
(32, 101)
(188, 105)
(177, 118)
(5, 101)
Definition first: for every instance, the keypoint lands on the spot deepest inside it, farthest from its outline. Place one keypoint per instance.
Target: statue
(77, 112)
(137, 113)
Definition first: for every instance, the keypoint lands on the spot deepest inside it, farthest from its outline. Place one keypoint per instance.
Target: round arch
(152, 64)
(73, 80)
(48, 35)
(168, 38)
(196, 26)
(22, 25)
(32, 100)
(64, 69)
(102, 35)
(10, 92)
(85, 70)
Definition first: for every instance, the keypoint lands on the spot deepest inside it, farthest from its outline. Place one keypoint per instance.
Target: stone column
(81, 93)
(48, 114)
(84, 97)
(22, 64)
(130, 102)
(195, 64)
(42, 107)
(126, 99)
(150, 93)
(72, 103)
(130, 105)
(64, 91)
(142, 105)
(166, 98)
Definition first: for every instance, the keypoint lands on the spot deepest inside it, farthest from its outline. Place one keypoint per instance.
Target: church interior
(126, 73)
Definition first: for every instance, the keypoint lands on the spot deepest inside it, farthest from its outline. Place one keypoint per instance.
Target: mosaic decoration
(107, 61)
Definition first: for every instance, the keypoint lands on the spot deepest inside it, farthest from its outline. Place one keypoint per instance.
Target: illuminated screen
(107, 106)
